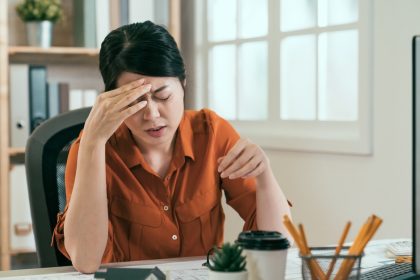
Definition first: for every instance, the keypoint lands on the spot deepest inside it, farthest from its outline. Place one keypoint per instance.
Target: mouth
(156, 128)
(156, 131)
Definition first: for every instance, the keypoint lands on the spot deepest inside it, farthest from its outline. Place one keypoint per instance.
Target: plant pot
(219, 275)
(39, 33)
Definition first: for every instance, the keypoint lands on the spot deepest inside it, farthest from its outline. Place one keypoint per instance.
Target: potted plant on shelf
(39, 16)
(227, 262)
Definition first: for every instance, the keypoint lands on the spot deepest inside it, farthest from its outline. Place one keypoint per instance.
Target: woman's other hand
(244, 160)
(112, 108)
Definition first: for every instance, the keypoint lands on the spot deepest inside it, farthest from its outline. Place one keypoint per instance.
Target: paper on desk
(55, 276)
(188, 270)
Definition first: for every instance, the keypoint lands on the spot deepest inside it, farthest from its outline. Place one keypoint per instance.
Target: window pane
(258, 12)
(297, 14)
(298, 78)
(338, 70)
(222, 89)
(253, 93)
(333, 12)
(221, 19)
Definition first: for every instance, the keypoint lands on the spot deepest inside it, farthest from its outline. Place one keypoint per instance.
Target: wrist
(264, 179)
(90, 144)
(91, 140)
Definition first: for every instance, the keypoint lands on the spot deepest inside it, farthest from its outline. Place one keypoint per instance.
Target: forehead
(128, 77)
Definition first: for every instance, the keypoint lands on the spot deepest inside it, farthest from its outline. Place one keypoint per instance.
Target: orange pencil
(338, 249)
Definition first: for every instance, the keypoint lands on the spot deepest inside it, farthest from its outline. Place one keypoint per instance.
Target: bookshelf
(53, 55)
(56, 58)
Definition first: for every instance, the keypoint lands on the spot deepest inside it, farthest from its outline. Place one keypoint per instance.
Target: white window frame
(314, 136)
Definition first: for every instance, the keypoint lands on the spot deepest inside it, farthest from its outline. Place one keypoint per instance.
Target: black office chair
(45, 159)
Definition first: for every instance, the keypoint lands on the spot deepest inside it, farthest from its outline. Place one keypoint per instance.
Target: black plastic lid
(262, 240)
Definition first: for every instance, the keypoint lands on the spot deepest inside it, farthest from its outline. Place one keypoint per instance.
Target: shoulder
(206, 121)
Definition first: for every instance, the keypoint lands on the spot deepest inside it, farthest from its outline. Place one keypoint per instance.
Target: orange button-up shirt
(180, 215)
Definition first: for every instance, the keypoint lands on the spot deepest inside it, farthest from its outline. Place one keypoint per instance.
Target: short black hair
(143, 48)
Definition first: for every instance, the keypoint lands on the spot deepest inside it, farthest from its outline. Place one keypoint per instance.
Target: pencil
(306, 247)
(338, 249)
(313, 265)
(365, 234)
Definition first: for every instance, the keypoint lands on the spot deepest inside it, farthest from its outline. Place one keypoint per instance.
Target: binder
(140, 11)
(75, 99)
(53, 100)
(21, 233)
(63, 92)
(89, 97)
(19, 105)
(38, 99)
(124, 12)
(85, 25)
(102, 21)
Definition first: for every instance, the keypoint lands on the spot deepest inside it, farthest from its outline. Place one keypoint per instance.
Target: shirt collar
(132, 156)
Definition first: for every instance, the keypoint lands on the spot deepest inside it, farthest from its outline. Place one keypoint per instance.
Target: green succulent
(228, 258)
(38, 10)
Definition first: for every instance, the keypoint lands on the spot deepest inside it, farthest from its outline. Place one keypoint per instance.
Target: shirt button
(174, 237)
(166, 208)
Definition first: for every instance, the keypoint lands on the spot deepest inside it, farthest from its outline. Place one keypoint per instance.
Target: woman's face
(156, 124)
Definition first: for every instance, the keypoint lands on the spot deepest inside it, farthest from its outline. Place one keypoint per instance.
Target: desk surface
(374, 257)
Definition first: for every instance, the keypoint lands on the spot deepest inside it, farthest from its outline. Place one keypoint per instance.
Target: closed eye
(162, 98)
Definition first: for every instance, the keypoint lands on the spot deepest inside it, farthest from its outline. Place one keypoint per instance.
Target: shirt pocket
(130, 220)
(199, 221)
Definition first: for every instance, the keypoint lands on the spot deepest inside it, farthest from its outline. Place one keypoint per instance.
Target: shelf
(17, 155)
(22, 251)
(53, 55)
(16, 151)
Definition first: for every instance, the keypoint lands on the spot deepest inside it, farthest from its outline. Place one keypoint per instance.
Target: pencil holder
(324, 256)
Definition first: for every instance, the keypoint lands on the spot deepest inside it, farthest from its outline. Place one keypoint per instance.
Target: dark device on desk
(409, 271)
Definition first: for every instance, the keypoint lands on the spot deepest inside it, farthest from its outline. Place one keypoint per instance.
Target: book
(53, 100)
(103, 26)
(75, 99)
(400, 248)
(63, 92)
(85, 23)
(38, 98)
(19, 105)
(124, 11)
(89, 97)
(114, 14)
(21, 233)
(141, 11)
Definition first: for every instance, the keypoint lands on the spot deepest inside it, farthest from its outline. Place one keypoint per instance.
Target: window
(292, 74)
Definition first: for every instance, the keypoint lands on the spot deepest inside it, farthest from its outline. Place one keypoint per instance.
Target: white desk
(374, 257)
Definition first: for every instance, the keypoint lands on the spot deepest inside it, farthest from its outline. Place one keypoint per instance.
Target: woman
(144, 178)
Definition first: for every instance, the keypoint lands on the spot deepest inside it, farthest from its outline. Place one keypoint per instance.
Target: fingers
(246, 169)
(130, 98)
(242, 164)
(232, 155)
(257, 171)
(244, 160)
(133, 109)
(124, 88)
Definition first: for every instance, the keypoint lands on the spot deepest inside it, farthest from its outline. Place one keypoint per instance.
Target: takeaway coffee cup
(266, 254)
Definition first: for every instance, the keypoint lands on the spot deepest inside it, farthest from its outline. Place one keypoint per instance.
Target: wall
(327, 190)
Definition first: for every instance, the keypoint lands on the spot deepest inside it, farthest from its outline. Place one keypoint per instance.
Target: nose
(151, 111)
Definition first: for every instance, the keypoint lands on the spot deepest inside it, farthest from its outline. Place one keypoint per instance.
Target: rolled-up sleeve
(240, 193)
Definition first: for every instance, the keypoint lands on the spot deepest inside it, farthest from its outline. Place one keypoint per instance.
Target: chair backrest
(45, 161)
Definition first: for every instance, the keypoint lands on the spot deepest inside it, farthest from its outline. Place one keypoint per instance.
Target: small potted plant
(227, 262)
(39, 16)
